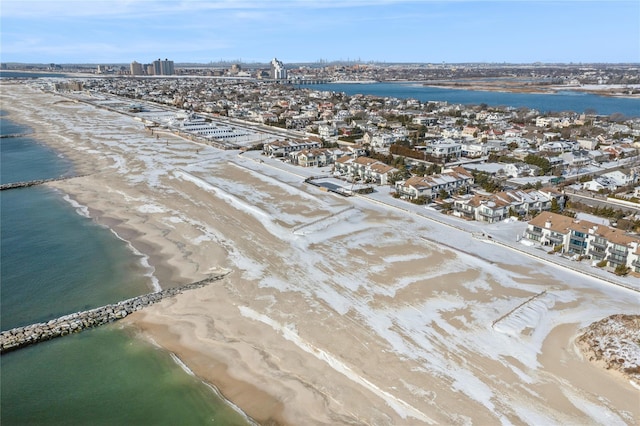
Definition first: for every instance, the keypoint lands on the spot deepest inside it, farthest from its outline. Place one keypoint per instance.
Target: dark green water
(54, 261)
(104, 377)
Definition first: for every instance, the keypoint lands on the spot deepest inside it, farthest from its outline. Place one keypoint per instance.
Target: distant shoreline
(612, 90)
(505, 85)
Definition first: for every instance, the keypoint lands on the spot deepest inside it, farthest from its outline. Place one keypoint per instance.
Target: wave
(83, 210)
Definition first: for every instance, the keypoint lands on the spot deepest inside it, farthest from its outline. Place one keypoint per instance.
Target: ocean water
(55, 261)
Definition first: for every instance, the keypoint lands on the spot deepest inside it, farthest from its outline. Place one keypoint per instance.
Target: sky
(299, 31)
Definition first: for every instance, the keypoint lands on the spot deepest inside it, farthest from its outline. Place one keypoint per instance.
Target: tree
(621, 270)
(543, 163)
(433, 169)
(555, 207)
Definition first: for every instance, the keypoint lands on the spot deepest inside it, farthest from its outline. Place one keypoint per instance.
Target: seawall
(20, 337)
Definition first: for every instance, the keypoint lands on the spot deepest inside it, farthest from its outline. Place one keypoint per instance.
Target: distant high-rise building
(136, 68)
(235, 69)
(161, 67)
(278, 71)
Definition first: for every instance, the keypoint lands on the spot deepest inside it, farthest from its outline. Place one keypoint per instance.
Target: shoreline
(279, 349)
(164, 275)
(605, 90)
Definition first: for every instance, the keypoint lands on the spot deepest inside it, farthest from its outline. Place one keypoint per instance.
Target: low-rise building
(584, 238)
(283, 148)
(496, 207)
(365, 168)
(430, 186)
(482, 208)
(451, 150)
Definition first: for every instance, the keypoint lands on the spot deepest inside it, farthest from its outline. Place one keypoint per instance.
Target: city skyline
(402, 31)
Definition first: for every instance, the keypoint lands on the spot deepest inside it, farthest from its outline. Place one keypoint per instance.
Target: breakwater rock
(20, 337)
(34, 182)
(24, 184)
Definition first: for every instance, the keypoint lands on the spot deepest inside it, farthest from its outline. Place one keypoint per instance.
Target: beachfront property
(482, 208)
(493, 208)
(598, 242)
(282, 148)
(365, 168)
(316, 157)
(431, 186)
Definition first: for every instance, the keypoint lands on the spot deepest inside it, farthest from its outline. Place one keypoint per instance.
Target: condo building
(136, 68)
(278, 71)
(161, 67)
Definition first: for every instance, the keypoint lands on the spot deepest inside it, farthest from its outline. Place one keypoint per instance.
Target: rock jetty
(34, 182)
(20, 337)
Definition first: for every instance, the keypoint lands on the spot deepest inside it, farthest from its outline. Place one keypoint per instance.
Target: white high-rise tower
(278, 71)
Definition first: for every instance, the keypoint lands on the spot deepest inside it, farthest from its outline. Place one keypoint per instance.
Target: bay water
(55, 261)
(562, 101)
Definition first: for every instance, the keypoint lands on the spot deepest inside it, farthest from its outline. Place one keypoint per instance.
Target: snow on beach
(343, 309)
(415, 330)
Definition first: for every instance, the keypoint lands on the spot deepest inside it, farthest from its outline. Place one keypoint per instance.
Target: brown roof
(365, 161)
(417, 181)
(381, 168)
(565, 224)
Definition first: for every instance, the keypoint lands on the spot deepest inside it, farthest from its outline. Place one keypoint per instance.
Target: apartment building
(583, 238)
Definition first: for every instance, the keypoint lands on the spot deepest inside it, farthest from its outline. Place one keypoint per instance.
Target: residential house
(424, 120)
(310, 157)
(589, 144)
(365, 169)
(557, 147)
(496, 207)
(284, 148)
(483, 208)
(515, 170)
(382, 139)
(430, 186)
(443, 149)
(496, 145)
(526, 202)
(470, 131)
(610, 181)
(327, 130)
(576, 159)
(474, 150)
(513, 132)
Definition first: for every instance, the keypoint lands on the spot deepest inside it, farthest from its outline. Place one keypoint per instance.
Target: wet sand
(336, 310)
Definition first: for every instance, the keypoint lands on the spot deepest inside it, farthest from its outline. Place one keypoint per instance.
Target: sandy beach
(336, 310)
